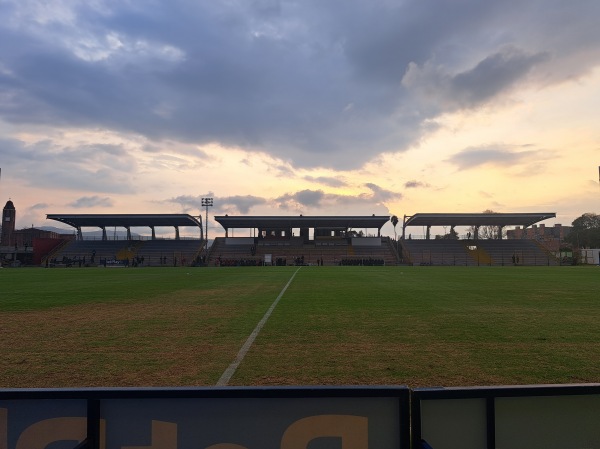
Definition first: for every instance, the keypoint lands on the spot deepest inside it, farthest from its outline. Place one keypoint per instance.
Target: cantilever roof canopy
(125, 220)
(317, 222)
(500, 219)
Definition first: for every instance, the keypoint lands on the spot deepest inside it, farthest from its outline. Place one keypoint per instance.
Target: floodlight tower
(207, 202)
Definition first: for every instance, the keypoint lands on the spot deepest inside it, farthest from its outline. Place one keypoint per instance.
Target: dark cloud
(86, 202)
(327, 180)
(283, 171)
(415, 184)
(492, 76)
(305, 200)
(498, 155)
(302, 199)
(39, 206)
(314, 83)
(188, 203)
(381, 195)
(242, 204)
(94, 168)
(267, 8)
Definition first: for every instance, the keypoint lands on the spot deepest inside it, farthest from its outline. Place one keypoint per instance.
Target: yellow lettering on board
(353, 431)
(226, 446)
(42, 433)
(3, 428)
(164, 436)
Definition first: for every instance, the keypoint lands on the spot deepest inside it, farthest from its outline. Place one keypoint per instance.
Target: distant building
(8, 224)
(550, 237)
(28, 245)
(25, 237)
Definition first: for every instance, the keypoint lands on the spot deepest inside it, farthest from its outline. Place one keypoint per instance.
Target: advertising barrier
(524, 417)
(527, 417)
(210, 418)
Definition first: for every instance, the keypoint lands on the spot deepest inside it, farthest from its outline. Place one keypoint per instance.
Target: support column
(428, 233)
(176, 232)
(476, 234)
(128, 232)
(104, 237)
(153, 233)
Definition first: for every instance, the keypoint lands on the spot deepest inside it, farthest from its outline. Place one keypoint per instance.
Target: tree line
(585, 231)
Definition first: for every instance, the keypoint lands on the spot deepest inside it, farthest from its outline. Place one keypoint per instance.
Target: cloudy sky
(318, 107)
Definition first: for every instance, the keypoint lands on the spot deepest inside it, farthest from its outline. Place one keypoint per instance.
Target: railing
(135, 237)
(58, 248)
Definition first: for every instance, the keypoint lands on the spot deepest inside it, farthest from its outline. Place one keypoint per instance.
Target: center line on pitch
(230, 371)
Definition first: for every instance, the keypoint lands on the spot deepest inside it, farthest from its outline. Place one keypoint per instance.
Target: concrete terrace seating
(153, 252)
(79, 249)
(160, 252)
(438, 252)
(526, 252)
(475, 252)
(384, 253)
(221, 252)
(292, 251)
(328, 254)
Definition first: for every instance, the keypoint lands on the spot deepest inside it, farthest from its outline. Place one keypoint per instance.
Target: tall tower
(8, 224)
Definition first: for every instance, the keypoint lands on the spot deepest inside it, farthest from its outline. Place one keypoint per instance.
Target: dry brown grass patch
(165, 342)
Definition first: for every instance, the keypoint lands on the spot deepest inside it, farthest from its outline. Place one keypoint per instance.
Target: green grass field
(415, 326)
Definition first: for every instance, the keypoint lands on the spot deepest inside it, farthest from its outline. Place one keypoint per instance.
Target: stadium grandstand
(274, 240)
(473, 248)
(303, 240)
(132, 250)
(299, 240)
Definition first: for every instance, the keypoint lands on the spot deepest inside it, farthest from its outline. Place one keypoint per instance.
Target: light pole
(207, 202)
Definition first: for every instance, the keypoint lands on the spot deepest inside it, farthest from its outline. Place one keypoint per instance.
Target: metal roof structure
(493, 219)
(316, 222)
(490, 219)
(127, 221)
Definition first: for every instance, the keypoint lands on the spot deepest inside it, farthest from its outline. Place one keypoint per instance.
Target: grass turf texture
(418, 326)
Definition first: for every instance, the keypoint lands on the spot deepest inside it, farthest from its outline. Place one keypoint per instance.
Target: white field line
(230, 371)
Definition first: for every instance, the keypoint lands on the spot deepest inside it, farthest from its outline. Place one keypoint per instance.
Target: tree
(588, 220)
(488, 231)
(585, 231)
(394, 221)
(452, 235)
